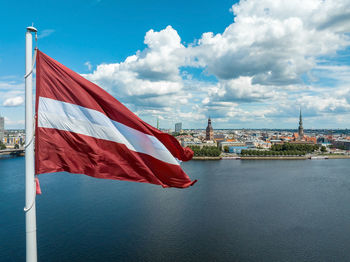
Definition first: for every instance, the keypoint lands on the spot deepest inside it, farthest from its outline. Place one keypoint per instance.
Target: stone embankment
(206, 158)
(270, 157)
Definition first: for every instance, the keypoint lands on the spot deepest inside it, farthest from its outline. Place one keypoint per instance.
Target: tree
(205, 151)
(2, 146)
(323, 149)
(16, 146)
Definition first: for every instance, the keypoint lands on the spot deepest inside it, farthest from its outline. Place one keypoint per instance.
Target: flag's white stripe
(70, 117)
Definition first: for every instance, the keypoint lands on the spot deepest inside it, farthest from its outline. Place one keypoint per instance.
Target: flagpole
(31, 248)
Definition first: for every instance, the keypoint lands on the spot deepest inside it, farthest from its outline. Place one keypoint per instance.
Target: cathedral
(209, 131)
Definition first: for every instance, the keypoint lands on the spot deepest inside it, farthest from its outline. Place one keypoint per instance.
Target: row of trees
(205, 151)
(341, 147)
(3, 146)
(246, 152)
(295, 147)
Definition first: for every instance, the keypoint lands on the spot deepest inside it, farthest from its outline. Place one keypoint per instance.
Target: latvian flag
(82, 129)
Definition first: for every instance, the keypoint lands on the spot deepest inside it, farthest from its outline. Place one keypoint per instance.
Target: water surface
(237, 211)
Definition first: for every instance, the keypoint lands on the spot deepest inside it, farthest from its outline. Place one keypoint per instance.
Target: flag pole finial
(32, 29)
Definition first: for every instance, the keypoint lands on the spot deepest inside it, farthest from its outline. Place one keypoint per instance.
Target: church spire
(209, 131)
(301, 128)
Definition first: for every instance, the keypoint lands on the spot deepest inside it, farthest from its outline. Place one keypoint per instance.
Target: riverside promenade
(235, 157)
(12, 152)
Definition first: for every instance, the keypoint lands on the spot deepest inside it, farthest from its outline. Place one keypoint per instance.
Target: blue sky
(247, 64)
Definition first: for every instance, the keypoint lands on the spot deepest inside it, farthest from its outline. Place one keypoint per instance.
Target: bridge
(12, 152)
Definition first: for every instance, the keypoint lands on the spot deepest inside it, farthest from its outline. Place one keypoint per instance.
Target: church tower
(301, 129)
(209, 131)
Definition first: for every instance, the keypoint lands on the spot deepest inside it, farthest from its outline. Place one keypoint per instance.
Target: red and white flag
(82, 129)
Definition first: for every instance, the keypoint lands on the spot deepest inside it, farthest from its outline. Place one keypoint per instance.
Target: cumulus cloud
(314, 105)
(150, 77)
(272, 57)
(14, 101)
(273, 41)
(242, 90)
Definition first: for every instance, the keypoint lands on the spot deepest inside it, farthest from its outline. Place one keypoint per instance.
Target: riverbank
(206, 158)
(274, 158)
(269, 157)
(338, 156)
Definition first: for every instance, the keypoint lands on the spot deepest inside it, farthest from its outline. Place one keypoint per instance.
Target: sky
(246, 64)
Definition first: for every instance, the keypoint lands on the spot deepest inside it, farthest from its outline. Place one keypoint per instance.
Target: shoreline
(271, 157)
(338, 156)
(206, 158)
(274, 158)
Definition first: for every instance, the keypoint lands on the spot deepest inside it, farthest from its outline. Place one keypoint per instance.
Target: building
(237, 144)
(178, 127)
(301, 128)
(342, 143)
(209, 134)
(236, 149)
(300, 137)
(2, 128)
(276, 141)
(13, 137)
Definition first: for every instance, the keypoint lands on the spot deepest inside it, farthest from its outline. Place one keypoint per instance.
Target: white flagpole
(31, 249)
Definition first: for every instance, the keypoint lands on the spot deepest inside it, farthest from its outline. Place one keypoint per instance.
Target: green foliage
(2, 146)
(323, 149)
(226, 149)
(246, 152)
(16, 146)
(295, 147)
(205, 151)
(341, 147)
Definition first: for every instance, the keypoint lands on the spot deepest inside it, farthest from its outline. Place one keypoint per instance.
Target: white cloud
(268, 62)
(45, 33)
(88, 65)
(14, 101)
(14, 123)
(273, 41)
(242, 90)
(314, 105)
(150, 77)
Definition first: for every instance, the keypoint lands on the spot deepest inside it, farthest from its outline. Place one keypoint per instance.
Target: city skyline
(248, 64)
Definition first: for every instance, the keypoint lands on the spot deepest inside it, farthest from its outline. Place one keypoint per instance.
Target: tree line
(246, 152)
(285, 149)
(308, 148)
(341, 147)
(205, 151)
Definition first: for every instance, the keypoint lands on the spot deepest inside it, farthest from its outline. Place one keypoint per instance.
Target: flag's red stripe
(60, 83)
(80, 154)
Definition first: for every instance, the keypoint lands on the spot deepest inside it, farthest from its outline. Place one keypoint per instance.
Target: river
(249, 210)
